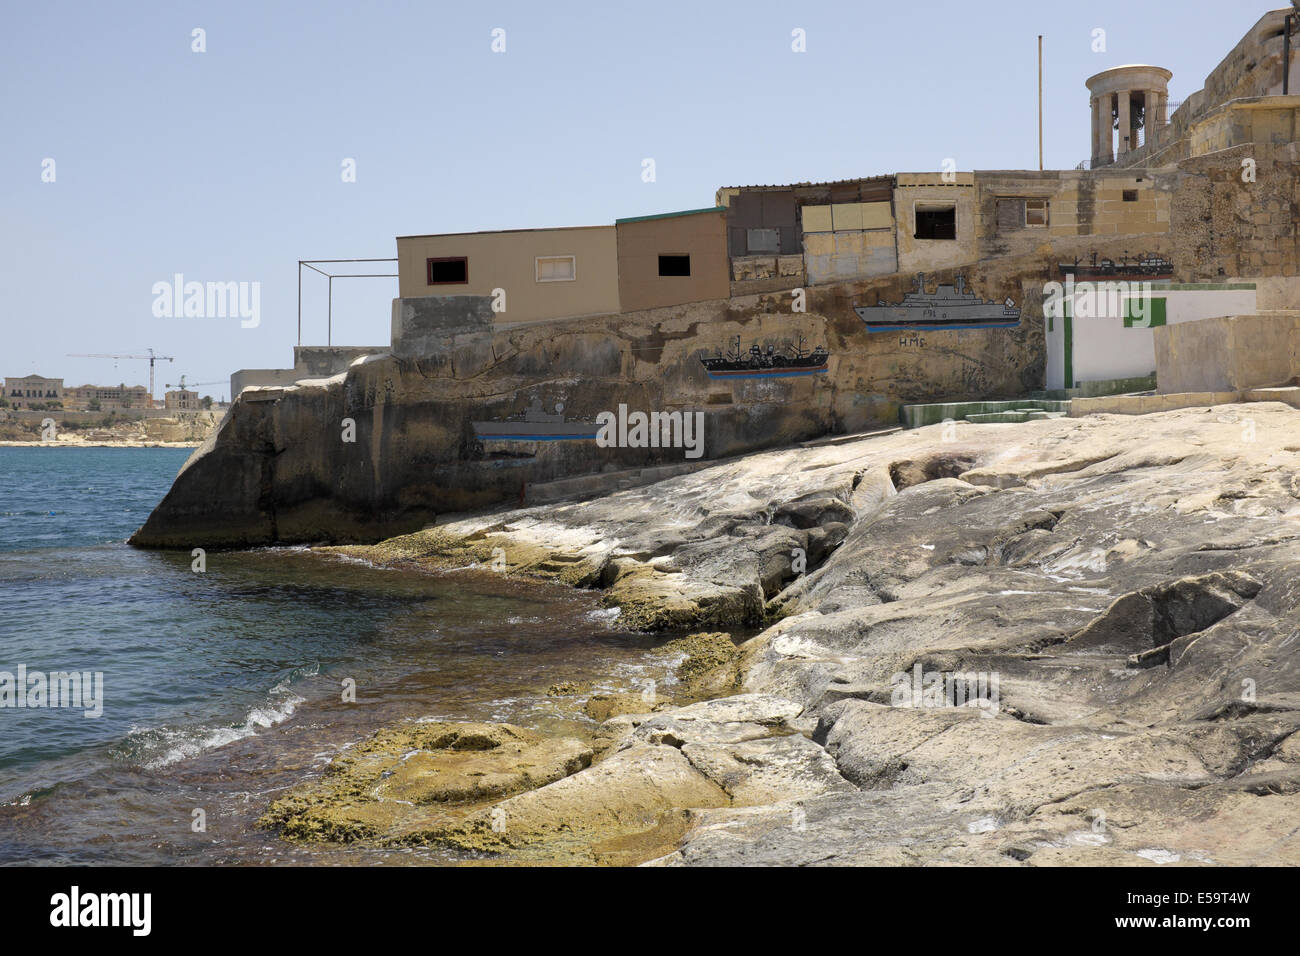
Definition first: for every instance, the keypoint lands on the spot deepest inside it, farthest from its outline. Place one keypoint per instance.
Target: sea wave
(158, 747)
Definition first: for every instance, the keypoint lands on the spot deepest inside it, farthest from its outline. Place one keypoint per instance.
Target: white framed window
(1035, 212)
(557, 268)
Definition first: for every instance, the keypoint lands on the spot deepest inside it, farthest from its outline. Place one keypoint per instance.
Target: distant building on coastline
(181, 400)
(107, 398)
(33, 390)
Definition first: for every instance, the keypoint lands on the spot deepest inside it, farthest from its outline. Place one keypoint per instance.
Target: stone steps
(1009, 410)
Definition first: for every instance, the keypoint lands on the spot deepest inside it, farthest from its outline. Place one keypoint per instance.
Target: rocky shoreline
(1060, 642)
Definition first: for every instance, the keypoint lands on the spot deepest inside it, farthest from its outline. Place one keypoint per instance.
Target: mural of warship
(536, 425)
(948, 307)
(1148, 267)
(770, 364)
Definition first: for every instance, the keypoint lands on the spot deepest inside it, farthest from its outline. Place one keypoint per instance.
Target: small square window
(557, 268)
(1035, 212)
(449, 270)
(1130, 195)
(674, 265)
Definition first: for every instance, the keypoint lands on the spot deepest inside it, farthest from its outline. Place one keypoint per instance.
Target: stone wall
(1228, 353)
(1080, 204)
(1252, 69)
(1222, 224)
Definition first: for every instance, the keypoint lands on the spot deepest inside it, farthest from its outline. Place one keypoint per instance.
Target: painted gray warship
(536, 425)
(948, 307)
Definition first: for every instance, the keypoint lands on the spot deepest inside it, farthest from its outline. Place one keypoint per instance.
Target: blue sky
(226, 165)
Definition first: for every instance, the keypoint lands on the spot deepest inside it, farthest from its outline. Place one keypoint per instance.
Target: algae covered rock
(409, 776)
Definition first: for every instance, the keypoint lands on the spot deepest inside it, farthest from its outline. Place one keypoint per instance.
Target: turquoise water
(222, 688)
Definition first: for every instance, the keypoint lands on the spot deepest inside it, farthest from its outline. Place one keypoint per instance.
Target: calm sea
(223, 688)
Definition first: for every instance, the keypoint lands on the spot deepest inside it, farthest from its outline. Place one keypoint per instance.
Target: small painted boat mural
(758, 363)
(948, 307)
(1147, 267)
(536, 425)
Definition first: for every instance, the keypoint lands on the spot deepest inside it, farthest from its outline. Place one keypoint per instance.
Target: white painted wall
(1105, 349)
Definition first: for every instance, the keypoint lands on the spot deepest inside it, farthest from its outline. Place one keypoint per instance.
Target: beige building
(32, 390)
(181, 400)
(672, 259)
(534, 274)
(108, 397)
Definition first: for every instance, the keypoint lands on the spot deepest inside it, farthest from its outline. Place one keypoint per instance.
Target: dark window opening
(674, 265)
(936, 222)
(1130, 195)
(452, 270)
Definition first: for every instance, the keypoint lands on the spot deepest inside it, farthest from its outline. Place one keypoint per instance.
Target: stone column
(1125, 123)
(1107, 151)
(1096, 130)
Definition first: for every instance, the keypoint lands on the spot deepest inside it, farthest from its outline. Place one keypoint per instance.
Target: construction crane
(182, 383)
(150, 357)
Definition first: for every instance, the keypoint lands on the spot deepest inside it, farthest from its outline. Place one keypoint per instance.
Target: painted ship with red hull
(1146, 268)
(769, 364)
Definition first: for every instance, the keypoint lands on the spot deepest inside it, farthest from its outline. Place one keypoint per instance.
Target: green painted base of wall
(1109, 386)
(915, 416)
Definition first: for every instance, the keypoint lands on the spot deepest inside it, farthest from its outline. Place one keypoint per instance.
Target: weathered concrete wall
(279, 469)
(439, 326)
(309, 361)
(322, 361)
(926, 255)
(1277, 293)
(1229, 353)
(848, 254)
(256, 377)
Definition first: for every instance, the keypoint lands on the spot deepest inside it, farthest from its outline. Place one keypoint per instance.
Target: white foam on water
(183, 744)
